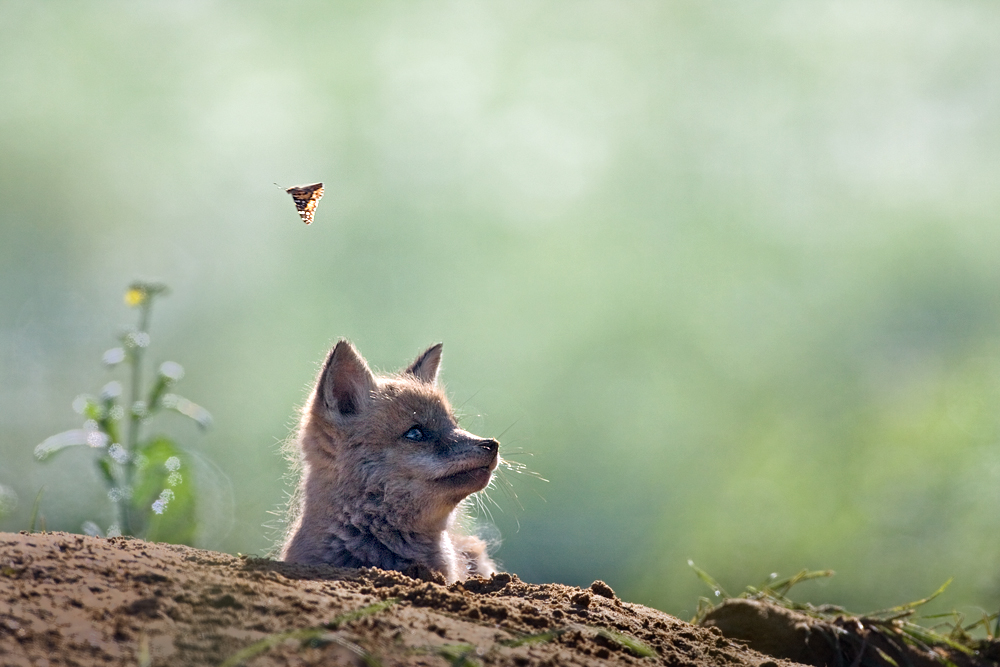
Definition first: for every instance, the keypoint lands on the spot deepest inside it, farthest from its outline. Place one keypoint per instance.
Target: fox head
(385, 464)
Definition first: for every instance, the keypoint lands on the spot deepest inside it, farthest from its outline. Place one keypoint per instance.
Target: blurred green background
(725, 273)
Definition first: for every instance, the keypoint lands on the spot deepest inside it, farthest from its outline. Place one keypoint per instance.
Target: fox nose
(470, 439)
(490, 445)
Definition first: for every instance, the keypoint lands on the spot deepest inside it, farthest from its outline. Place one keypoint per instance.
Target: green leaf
(88, 406)
(110, 427)
(104, 466)
(74, 438)
(110, 412)
(188, 409)
(163, 498)
(157, 392)
(169, 374)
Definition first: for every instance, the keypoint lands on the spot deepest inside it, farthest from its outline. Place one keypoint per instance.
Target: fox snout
(471, 461)
(464, 438)
(490, 445)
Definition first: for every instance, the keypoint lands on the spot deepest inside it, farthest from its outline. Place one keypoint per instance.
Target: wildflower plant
(148, 478)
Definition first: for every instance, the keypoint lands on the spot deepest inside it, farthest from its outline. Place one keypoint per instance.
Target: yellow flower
(134, 297)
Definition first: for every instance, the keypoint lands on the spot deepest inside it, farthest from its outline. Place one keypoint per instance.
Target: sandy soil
(76, 600)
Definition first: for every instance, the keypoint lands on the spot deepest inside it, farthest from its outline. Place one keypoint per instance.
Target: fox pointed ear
(425, 368)
(346, 383)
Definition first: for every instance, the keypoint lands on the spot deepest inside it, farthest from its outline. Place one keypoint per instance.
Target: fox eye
(416, 434)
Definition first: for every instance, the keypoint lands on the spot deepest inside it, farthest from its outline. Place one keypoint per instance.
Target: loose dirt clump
(76, 600)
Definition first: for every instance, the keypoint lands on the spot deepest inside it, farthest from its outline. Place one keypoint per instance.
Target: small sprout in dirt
(318, 636)
(144, 658)
(351, 616)
(310, 637)
(332, 638)
(459, 655)
(147, 477)
(269, 642)
(631, 644)
(635, 646)
(33, 519)
(539, 638)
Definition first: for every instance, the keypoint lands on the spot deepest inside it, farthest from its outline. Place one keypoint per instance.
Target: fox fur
(384, 469)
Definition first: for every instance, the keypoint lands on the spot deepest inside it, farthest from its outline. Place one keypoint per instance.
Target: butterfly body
(306, 198)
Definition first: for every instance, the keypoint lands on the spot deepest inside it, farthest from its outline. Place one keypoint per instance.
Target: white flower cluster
(160, 504)
(117, 493)
(173, 465)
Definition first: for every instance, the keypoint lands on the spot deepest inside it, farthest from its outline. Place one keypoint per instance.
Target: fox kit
(385, 467)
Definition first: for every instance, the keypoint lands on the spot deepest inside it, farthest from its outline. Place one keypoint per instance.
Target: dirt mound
(831, 639)
(75, 600)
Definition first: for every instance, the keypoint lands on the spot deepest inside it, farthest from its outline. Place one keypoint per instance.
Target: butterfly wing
(306, 198)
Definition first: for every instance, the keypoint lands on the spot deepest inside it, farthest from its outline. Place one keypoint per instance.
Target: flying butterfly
(306, 199)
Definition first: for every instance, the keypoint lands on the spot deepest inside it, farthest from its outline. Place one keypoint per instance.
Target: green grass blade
(270, 642)
(984, 622)
(708, 580)
(885, 656)
(34, 510)
(540, 638)
(350, 616)
(931, 638)
(308, 635)
(635, 646)
(143, 657)
(912, 605)
(782, 586)
(331, 638)
(459, 655)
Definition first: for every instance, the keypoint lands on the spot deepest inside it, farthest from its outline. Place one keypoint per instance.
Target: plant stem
(135, 420)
